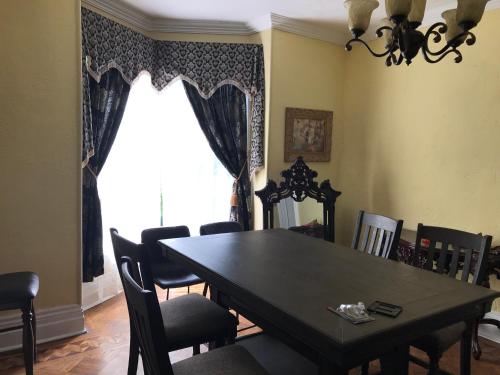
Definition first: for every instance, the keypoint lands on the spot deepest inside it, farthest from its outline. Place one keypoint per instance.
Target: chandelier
(399, 30)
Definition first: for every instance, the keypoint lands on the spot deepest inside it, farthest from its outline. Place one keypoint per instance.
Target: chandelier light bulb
(417, 11)
(450, 17)
(398, 8)
(360, 12)
(470, 12)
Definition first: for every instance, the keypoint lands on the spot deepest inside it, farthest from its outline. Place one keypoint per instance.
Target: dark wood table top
(290, 279)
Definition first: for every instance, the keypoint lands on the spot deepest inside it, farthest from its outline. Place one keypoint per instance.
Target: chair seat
(230, 360)
(192, 319)
(439, 341)
(171, 275)
(17, 288)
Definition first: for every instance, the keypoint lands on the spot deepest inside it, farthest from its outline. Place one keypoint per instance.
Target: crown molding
(147, 24)
(306, 29)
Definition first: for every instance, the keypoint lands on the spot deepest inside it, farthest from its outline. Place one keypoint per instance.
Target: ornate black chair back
(298, 183)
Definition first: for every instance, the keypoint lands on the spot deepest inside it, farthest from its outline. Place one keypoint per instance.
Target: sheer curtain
(160, 171)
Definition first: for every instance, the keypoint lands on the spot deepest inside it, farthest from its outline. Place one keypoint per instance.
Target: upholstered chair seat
(191, 319)
(230, 360)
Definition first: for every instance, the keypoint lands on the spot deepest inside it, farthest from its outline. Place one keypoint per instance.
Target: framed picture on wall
(308, 133)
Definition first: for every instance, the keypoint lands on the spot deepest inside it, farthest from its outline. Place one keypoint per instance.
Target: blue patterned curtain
(207, 66)
(223, 119)
(108, 98)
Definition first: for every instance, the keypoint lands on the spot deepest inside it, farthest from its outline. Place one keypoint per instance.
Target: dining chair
(218, 228)
(377, 235)
(17, 291)
(298, 182)
(166, 273)
(149, 320)
(455, 254)
(188, 320)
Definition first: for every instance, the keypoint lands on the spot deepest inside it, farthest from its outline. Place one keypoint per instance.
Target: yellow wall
(40, 145)
(422, 142)
(305, 73)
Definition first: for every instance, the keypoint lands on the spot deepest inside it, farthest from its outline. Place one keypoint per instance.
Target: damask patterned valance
(107, 44)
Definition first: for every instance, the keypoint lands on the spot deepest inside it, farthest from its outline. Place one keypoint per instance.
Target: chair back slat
(467, 264)
(220, 227)
(364, 241)
(379, 247)
(453, 269)
(443, 255)
(387, 242)
(371, 245)
(145, 313)
(377, 235)
(460, 251)
(431, 251)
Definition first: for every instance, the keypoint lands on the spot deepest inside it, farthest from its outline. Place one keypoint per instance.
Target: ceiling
(321, 15)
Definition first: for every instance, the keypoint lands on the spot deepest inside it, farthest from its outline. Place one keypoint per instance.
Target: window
(161, 167)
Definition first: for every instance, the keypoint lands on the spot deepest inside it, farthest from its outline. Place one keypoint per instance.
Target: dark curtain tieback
(234, 195)
(92, 172)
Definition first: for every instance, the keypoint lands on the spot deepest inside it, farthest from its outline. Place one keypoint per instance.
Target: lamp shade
(397, 7)
(450, 16)
(360, 12)
(417, 11)
(470, 11)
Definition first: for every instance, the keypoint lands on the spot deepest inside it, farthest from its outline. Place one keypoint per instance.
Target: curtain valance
(207, 66)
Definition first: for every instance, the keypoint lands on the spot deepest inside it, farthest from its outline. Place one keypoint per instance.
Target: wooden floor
(104, 349)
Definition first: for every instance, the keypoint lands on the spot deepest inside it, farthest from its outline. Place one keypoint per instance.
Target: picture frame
(308, 133)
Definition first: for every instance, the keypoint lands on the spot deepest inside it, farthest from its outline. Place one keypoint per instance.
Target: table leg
(465, 349)
(396, 362)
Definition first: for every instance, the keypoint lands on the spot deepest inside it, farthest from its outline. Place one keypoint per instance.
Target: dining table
(288, 284)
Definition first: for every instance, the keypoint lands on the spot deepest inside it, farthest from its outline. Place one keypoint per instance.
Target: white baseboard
(52, 324)
(489, 331)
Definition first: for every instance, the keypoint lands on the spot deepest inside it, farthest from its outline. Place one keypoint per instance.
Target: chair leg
(205, 290)
(465, 350)
(434, 365)
(35, 351)
(196, 349)
(476, 347)
(28, 344)
(168, 293)
(133, 355)
(188, 289)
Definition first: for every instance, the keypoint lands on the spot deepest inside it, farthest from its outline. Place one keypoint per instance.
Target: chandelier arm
(348, 47)
(458, 57)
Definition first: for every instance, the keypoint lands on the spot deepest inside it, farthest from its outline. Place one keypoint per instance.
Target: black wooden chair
(17, 291)
(449, 252)
(377, 235)
(299, 184)
(189, 320)
(165, 272)
(149, 320)
(220, 227)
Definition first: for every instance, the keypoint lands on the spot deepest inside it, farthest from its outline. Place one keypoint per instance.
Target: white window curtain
(160, 170)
